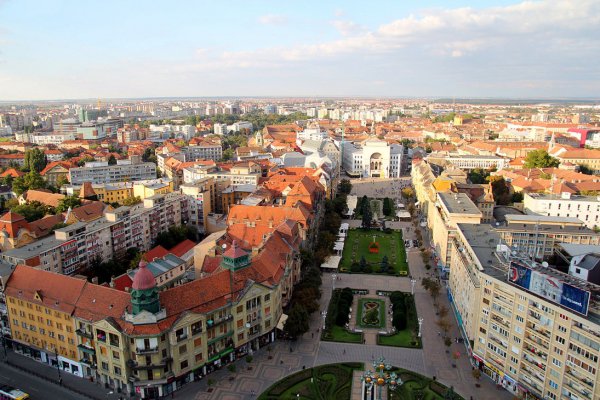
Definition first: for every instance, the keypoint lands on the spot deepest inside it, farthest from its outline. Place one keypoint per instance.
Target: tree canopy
(540, 159)
(69, 201)
(31, 180)
(35, 160)
(297, 322)
(33, 210)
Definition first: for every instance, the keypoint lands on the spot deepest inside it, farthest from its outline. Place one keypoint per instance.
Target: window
(184, 364)
(183, 349)
(196, 327)
(116, 355)
(197, 342)
(553, 384)
(267, 297)
(198, 357)
(520, 319)
(240, 308)
(117, 371)
(556, 362)
(560, 339)
(105, 365)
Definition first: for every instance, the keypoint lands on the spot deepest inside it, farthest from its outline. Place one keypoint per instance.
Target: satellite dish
(248, 325)
(224, 246)
(545, 264)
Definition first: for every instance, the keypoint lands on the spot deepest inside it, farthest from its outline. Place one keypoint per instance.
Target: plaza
(284, 358)
(374, 245)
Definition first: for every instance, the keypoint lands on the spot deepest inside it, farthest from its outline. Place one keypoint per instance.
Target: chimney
(95, 280)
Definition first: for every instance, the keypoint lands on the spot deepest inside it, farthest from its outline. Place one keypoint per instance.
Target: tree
(35, 160)
(387, 207)
(540, 159)
(478, 175)
(32, 211)
(444, 325)
(345, 186)
(61, 180)
(112, 160)
(31, 180)
(297, 322)
(131, 201)
(385, 265)
(585, 170)
(408, 193)
(68, 202)
(500, 190)
(363, 263)
(227, 154)
(367, 217)
(517, 197)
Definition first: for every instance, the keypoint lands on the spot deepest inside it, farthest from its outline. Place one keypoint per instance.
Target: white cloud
(272, 19)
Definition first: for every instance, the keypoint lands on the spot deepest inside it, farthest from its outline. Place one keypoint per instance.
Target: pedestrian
(344, 351)
(312, 335)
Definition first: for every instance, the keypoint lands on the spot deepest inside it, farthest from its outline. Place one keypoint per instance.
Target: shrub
(355, 267)
(249, 358)
(399, 320)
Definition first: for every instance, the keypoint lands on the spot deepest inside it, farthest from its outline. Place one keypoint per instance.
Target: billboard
(549, 287)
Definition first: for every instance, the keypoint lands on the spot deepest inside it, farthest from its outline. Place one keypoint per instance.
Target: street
(36, 388)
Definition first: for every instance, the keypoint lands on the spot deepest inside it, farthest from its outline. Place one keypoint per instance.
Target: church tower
(144, 293)
(235, 258)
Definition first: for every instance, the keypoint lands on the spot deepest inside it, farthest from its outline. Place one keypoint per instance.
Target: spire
(144, 293)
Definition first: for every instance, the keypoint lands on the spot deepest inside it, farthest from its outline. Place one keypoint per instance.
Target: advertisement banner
(549, 287)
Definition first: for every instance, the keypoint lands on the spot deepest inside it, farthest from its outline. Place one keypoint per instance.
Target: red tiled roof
(180, 249)
(59, 292)
(156, 252)
(42, 227)
(12, 172)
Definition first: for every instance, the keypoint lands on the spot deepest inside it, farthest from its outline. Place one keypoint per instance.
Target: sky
(52, 49)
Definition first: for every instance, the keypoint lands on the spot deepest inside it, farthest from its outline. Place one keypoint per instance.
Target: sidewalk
(81, 386)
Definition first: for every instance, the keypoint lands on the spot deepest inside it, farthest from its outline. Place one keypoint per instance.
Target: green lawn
(340, 334)
(361, 313)
(334, 382)
(400, 339)
(390, 245)
(325, 382)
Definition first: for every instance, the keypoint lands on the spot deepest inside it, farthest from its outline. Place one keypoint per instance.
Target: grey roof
(483, 241)
(33, 249)
(573, 249)
(515, 218)
(589, 261)
(459, 203)
(544, 196)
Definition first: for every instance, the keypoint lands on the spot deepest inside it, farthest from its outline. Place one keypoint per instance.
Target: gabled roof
(89, 212)
(43, 227)
(44, 197)
(11, 172)
(57, 291)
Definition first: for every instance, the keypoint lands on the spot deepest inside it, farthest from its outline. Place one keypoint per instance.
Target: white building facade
(372, 158)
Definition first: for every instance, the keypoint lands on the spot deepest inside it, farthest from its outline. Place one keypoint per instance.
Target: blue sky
(86, 49)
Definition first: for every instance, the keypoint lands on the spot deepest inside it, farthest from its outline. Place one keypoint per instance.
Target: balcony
(500, 320)
(181, 338)
(219, 321)
(219, 337)
(579, 377)
(137, 367)
(579, 390)
(86, 349)
(146, 350)
(88, 362)
(529, 361)
(536, 341)
(212, 356)
(84, 333)
(530, 385)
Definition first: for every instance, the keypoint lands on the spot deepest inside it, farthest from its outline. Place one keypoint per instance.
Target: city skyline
(66, 50)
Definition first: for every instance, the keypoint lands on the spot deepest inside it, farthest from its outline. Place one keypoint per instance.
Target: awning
(331, 262)
(338, 246)
(281, 322)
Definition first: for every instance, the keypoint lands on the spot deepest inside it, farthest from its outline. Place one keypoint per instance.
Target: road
(36, 387)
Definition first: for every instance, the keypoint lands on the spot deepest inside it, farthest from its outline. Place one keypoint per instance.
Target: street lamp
(420, 323)
(58, 367)
(380, 377)
(333, 277)
(412, 286)
(324, 314)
